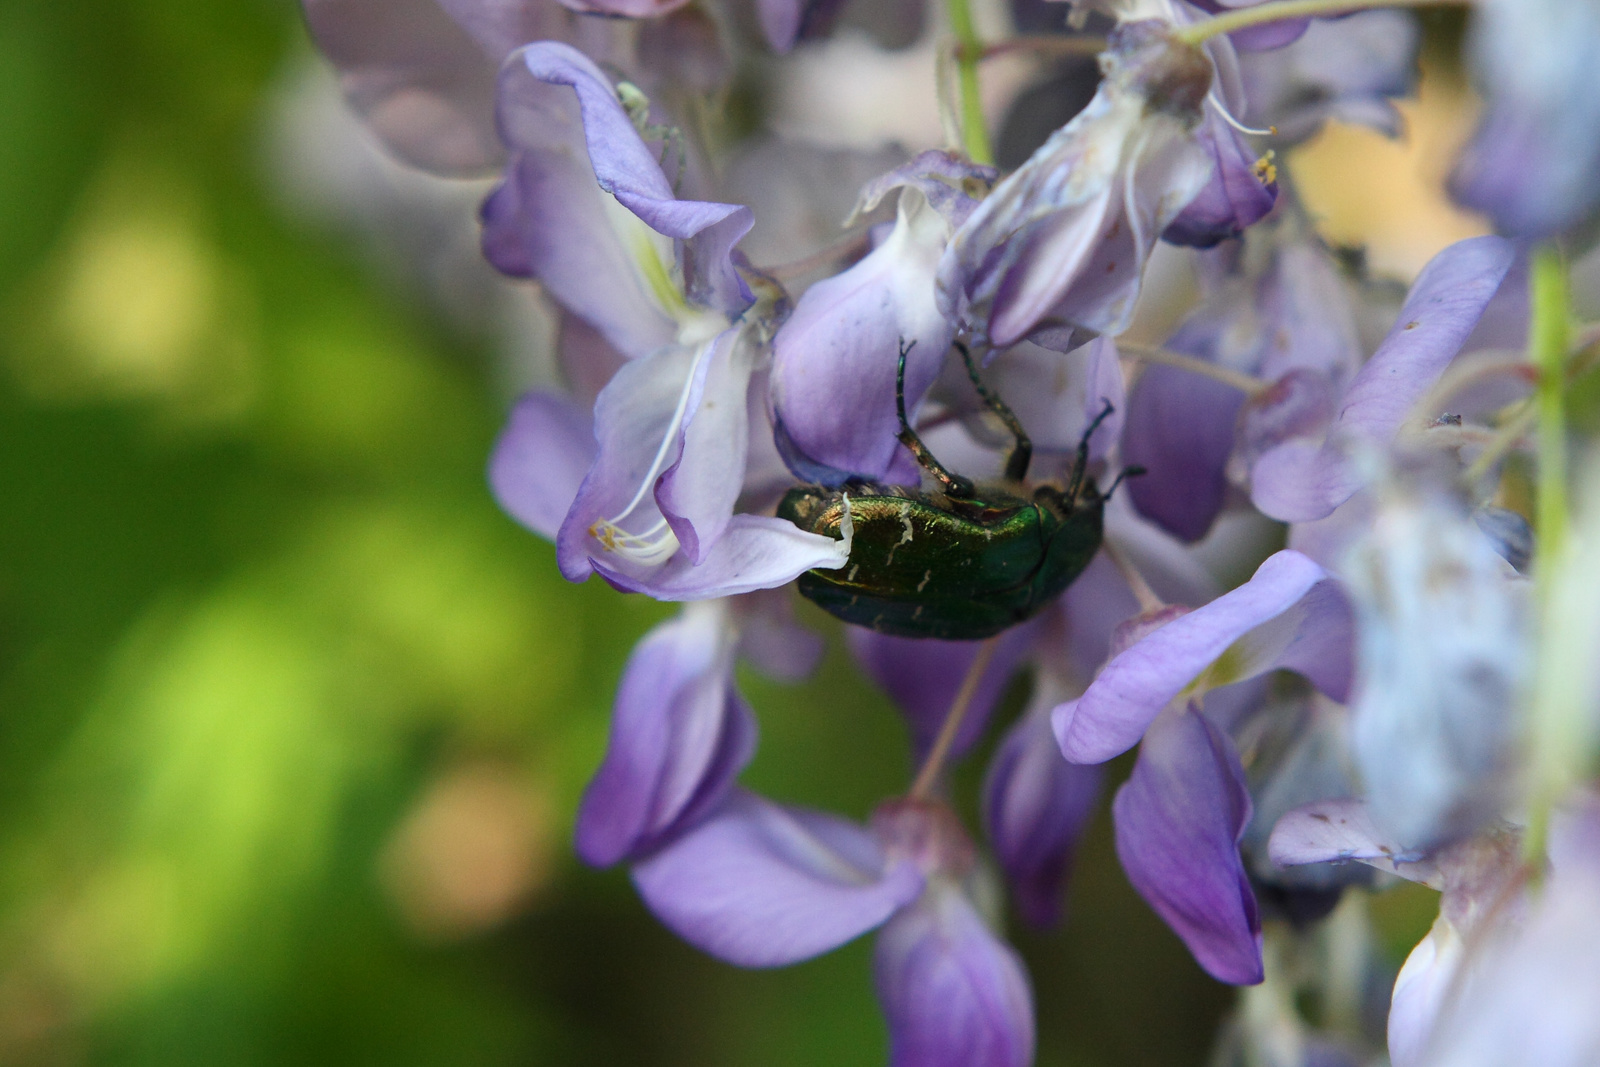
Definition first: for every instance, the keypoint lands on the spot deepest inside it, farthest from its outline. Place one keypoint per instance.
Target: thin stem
(1198, 32)
(1556, 715)
(933, 765)
(969, 50)
(1245, 383)
(1046, 45)
(1147, 598)
(1504, 438)
(1547, 350)
(841, 249)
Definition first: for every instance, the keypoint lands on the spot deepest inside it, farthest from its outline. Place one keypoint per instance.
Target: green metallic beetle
(961, 562)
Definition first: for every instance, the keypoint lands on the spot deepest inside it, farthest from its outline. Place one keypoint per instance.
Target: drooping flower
(1062, 242)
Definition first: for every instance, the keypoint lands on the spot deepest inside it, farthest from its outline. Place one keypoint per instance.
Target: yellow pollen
(1266, 168)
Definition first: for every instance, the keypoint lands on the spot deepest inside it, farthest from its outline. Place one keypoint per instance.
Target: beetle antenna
(1127, 472)
(1022, 453)
(955, 486)
(1081, 467)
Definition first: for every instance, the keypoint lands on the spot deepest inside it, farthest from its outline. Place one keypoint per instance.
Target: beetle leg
(1126, 472)
(1081, 467)
(955, 486)
(1017, 462)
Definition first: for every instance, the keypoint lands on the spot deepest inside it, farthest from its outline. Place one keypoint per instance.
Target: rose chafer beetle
(960, 561)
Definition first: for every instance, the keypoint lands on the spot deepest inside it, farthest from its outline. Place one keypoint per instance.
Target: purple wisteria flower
(654, 511)
(762, 885)
(1534, 164)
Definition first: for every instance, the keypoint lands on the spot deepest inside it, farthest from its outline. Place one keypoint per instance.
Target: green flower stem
(1291, 9)
(969, 52)
(1557, 711)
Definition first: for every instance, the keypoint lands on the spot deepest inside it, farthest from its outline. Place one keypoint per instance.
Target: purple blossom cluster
(1370, 693)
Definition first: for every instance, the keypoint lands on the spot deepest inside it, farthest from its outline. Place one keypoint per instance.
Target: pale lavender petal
(953, 993)
(780, 22)
(1179, 818)
(835, 361)
(628, 170)
(540, 460)
(1348, 70)
(761, 885)
(502, 26)
(680, 734)
(1534, 164)
(1036, 806)
(923, 675)
(1138, 683)
(1315, 637)
(1302, 480)
(754, 552)
(1336, 831)
(1419, 992)
(547, 220)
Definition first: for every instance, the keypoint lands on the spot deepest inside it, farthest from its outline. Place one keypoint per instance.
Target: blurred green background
(293, 721)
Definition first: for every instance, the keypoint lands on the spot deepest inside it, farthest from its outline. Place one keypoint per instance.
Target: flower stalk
(1264, 14)
(969, 53)
(933, 765)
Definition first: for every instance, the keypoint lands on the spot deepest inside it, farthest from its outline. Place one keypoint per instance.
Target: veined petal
(1179, 818)
(761, 885)
(680, 734)
(698, 490)
(953, 993)
(1139, 682)
(540, 460)
(754, 552)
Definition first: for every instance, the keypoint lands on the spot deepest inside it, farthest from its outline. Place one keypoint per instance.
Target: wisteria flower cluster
(913, 416)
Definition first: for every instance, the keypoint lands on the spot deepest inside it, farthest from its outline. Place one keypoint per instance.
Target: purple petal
(835, 360)
(422, 85)
(1179, 818)
(1036, 806)
(771, 640)
(540, 460)
(548, 220)
(1235, 197)
(761, 885)
(1138, 683)
(754, 552)
(1180, 429)
(1301, 481)
(953, 993)
(631, 9)
(628, 170)
(923, 675)
(1347, 70)
(680, 734)
(1534, 164)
